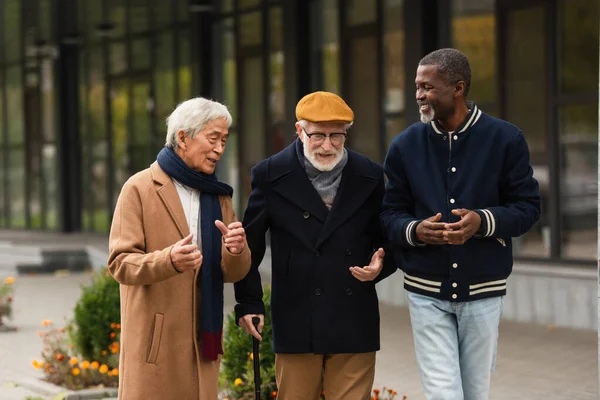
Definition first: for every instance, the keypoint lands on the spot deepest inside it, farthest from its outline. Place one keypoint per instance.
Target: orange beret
(323, 107)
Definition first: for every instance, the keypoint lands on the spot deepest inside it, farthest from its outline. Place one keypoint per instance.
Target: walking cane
(255, 356)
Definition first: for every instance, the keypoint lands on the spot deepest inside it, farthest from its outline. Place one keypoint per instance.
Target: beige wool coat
(160, 356)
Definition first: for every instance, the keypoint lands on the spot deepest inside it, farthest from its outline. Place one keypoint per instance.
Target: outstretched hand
(371, 271)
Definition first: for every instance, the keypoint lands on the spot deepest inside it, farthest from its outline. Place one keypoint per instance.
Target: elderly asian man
(174, 241)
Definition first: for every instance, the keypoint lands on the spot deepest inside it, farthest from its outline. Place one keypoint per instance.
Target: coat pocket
(155, 336)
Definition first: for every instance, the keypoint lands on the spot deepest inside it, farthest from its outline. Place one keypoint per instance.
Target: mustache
(423, 103)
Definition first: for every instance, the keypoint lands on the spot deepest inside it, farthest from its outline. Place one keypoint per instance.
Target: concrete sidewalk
(534, 362)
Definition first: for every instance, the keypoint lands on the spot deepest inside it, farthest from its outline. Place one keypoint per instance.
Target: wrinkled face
(323, 154)
(435, 97)
(203, 152)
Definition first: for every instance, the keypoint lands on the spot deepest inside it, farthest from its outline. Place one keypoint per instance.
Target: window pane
(118, 58)
(279, 139)
(16, 182)
(117, 16)
(164, 77)
(393, 57)
(140, 54)
(226, 6)
(362, 97)
(163, 13)
(361, 12)
(253, 119)
(393, 127)
(474, 33)
(140, 154)
(45, 15)
(578, 46)
(12, 24)
(579, 180)
(185, 69)
(248, 3)
(229, 69)
(14, 97)
(250, 29)
(139, 15)
(525, 86)
(331, 47)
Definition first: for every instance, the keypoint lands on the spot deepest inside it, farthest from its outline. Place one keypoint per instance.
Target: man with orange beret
(320, 202)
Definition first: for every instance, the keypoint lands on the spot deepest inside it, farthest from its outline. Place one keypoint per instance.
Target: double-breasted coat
(317, 306)
(160, 356)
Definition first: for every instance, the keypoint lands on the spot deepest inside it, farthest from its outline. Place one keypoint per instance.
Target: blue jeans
(456, 345)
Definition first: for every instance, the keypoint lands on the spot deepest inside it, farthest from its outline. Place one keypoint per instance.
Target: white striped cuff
(490, 222)
(408, 232)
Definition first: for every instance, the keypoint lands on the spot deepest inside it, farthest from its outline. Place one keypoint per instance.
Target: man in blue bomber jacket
(460, 186)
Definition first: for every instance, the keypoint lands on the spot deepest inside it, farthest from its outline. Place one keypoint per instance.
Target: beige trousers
(340, 376)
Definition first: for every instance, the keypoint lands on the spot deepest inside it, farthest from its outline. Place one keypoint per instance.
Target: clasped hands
(431, 231)
(185, 255)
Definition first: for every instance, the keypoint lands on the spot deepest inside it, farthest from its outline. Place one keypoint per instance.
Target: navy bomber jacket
(482, 166)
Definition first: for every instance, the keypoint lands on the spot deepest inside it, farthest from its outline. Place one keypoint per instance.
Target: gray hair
(190, 117)
(453, 66)
(303, 123)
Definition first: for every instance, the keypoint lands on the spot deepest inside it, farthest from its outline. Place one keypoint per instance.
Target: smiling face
(435, 97)
(203, 152)
(324, 155)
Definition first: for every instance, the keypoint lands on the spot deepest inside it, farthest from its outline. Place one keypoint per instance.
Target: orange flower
(9, 280)
(59, 357)
(376, 391)
(75, 371)
(37, 364)
(113, 325)
(73, 361)
(103, 369)
(104, 352)
(274, 394)
(238, 382)
(118, 326)
(9, 299)
(46, 322)
(85, 364)
(94, 365)
(115, 372)
(113, 335)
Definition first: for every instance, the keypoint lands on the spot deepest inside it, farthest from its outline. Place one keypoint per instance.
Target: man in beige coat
(174, 241)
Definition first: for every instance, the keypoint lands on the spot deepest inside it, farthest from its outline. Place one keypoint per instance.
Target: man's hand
(234, 236)
(185, 255)
(371, 271)
(461, 231)
(246, 323)
(431, 231)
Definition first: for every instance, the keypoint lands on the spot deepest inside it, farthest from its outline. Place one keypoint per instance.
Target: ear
(459, 89)
(299, 131)
(182, 140)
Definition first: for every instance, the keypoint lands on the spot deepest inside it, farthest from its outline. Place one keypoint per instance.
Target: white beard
(427, 117)
(323, 167)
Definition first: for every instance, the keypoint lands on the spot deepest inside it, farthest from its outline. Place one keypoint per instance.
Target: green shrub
(95, 311)
(237, 377)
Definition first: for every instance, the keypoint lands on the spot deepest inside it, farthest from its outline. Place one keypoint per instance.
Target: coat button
(454, 296)
(348, 252)
(455, 265)
(452, 201)
(317, 254)
(349, 292)
(305, 215)
(454, 284)
(318, 292)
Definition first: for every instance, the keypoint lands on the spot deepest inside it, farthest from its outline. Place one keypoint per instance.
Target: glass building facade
(86, 85)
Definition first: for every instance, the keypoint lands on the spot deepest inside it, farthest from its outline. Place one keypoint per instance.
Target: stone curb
(37, 385)
(93, 394)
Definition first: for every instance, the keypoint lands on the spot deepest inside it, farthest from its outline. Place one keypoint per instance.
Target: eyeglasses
(335, 138)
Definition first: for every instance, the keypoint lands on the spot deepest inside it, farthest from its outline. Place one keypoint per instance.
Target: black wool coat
(317, 306)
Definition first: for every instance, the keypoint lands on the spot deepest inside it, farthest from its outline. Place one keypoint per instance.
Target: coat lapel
(170, 198)
(293, 184)
(355, 188)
